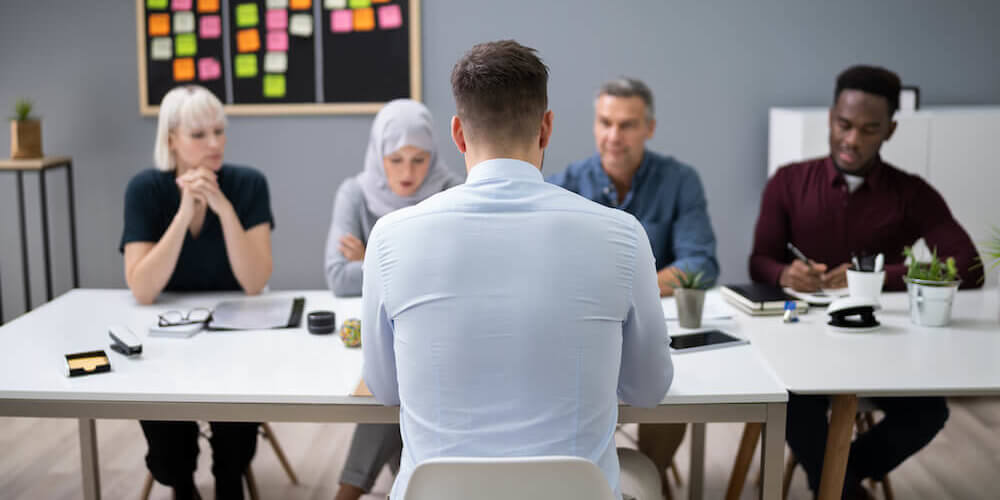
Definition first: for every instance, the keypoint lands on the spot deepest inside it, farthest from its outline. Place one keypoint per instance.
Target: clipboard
(257, 313)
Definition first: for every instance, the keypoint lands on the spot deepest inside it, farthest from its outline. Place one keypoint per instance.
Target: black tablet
(700, 341)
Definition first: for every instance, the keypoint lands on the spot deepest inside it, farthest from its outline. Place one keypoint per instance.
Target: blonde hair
(190, 105)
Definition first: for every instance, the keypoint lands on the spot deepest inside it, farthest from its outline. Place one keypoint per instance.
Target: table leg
(838, 445)
(72, 223)
(772, 453)
(748, 443)
(43, 198)
(697, 473)
(88, 459)
(25, 271)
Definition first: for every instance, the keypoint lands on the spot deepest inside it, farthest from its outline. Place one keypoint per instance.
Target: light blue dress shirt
(507, 317)
(667, 198)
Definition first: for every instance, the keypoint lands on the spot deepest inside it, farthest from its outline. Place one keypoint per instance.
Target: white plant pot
(931, 301)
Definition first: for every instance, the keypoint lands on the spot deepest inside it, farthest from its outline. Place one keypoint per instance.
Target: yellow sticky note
(246, 15)
(184, 69)
(246, 65)
(274, 85)
(159, 24)
(364, 19)
(247, 40)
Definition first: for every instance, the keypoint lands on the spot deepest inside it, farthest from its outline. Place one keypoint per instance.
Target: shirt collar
(637, 177)
(504, 168)
(871, 180)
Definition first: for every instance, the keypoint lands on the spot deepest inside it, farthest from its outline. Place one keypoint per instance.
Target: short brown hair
(500, 91)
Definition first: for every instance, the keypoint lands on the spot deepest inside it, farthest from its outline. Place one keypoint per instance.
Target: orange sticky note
(300, 4)
(159, 24)
(364, 19)
(208, 5)
(184, 69)
(380, 1)
(247, 40)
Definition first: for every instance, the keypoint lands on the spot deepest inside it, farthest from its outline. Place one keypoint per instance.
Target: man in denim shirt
(663, 193)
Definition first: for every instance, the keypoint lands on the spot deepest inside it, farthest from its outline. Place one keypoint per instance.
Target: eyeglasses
(176, 318)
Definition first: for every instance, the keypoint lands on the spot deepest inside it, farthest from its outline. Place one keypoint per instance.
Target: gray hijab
(402, 122)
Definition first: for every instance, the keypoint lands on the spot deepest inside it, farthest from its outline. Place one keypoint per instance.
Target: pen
(798, 254)
(879, 262)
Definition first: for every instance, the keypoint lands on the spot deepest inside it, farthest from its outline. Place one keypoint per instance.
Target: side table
(41, 165)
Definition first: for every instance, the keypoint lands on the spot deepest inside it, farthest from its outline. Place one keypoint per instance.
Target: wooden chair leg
(887, 488)
(748, 444)
(147, 487)
(254, 494)
(271, 438)
(786, 480)
(676, 473)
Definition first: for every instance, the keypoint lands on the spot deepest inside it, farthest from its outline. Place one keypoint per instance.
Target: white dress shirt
(507, 317)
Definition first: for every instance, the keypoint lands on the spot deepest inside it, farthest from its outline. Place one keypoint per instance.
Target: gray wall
(715, 67)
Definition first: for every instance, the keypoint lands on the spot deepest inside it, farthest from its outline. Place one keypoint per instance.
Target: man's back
(514, 315)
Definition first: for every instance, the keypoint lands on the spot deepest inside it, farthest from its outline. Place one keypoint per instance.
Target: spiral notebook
(257, 313)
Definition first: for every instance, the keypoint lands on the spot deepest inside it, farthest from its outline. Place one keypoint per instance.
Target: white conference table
(899, 359)
(291, 375)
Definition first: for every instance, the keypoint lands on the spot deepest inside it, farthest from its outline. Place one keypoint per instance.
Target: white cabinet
(956, 149)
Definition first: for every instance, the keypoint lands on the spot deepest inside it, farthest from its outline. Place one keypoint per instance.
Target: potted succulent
(690, 296)
(931, 287)
(25, 132)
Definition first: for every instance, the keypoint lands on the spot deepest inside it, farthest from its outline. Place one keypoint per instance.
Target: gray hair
(629, 87)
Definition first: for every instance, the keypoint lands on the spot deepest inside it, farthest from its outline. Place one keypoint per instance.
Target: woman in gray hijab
(402, 168)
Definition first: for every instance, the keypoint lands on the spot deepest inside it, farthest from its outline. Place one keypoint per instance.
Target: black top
(151, 201)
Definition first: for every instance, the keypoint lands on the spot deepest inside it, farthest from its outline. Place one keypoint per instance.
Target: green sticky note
(156, 4)
(246, 15)
(185, 45)
(274, 85)
(360, 4)
(246, 65)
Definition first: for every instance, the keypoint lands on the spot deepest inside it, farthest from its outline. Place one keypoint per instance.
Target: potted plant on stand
(931, 287)
(25, 132)
(690, 296)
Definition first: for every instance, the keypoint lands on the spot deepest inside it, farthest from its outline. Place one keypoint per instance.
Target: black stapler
(853, 314)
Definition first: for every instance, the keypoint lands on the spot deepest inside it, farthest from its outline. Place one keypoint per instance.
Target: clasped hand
(200, 186)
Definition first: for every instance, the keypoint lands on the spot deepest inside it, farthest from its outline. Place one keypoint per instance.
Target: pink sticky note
(341, 21)
(180, 5)
(211, 27)
(209, 69)
(277, 19)
(389, 17)
(277, 40)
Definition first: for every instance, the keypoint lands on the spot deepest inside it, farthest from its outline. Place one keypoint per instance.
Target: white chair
(524, 478)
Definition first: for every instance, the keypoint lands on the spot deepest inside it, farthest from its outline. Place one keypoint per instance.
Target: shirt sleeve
(646, 369)
(693, 239)
(142, 209)
(377, 334)
(343, 276)
(257, 210)
(928, 212)
(771, 234)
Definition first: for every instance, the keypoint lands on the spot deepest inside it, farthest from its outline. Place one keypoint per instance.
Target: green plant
(693, 281)
(22, 109)
(935, 270)
(991, 250)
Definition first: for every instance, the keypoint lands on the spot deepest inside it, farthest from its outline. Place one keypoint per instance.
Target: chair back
(524, 478)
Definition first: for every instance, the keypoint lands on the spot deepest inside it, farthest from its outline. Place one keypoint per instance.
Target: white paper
(715, 308)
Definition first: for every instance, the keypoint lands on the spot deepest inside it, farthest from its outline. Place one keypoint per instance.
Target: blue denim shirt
(667, 198)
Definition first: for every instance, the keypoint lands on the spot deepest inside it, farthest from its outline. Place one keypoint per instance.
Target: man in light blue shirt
(508, 316)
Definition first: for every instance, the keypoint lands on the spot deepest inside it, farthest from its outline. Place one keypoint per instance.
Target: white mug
(865, 284)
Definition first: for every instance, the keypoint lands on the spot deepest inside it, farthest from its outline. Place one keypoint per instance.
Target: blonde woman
(194, 224)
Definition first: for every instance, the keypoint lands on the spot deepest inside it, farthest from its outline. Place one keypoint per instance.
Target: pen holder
(865, 285)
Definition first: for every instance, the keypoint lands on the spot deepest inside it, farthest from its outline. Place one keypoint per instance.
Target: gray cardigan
(350, 216)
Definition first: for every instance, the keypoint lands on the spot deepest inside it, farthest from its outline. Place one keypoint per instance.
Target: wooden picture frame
(299, 108)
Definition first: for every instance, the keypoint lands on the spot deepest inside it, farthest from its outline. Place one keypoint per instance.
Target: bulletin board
(264, 57)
